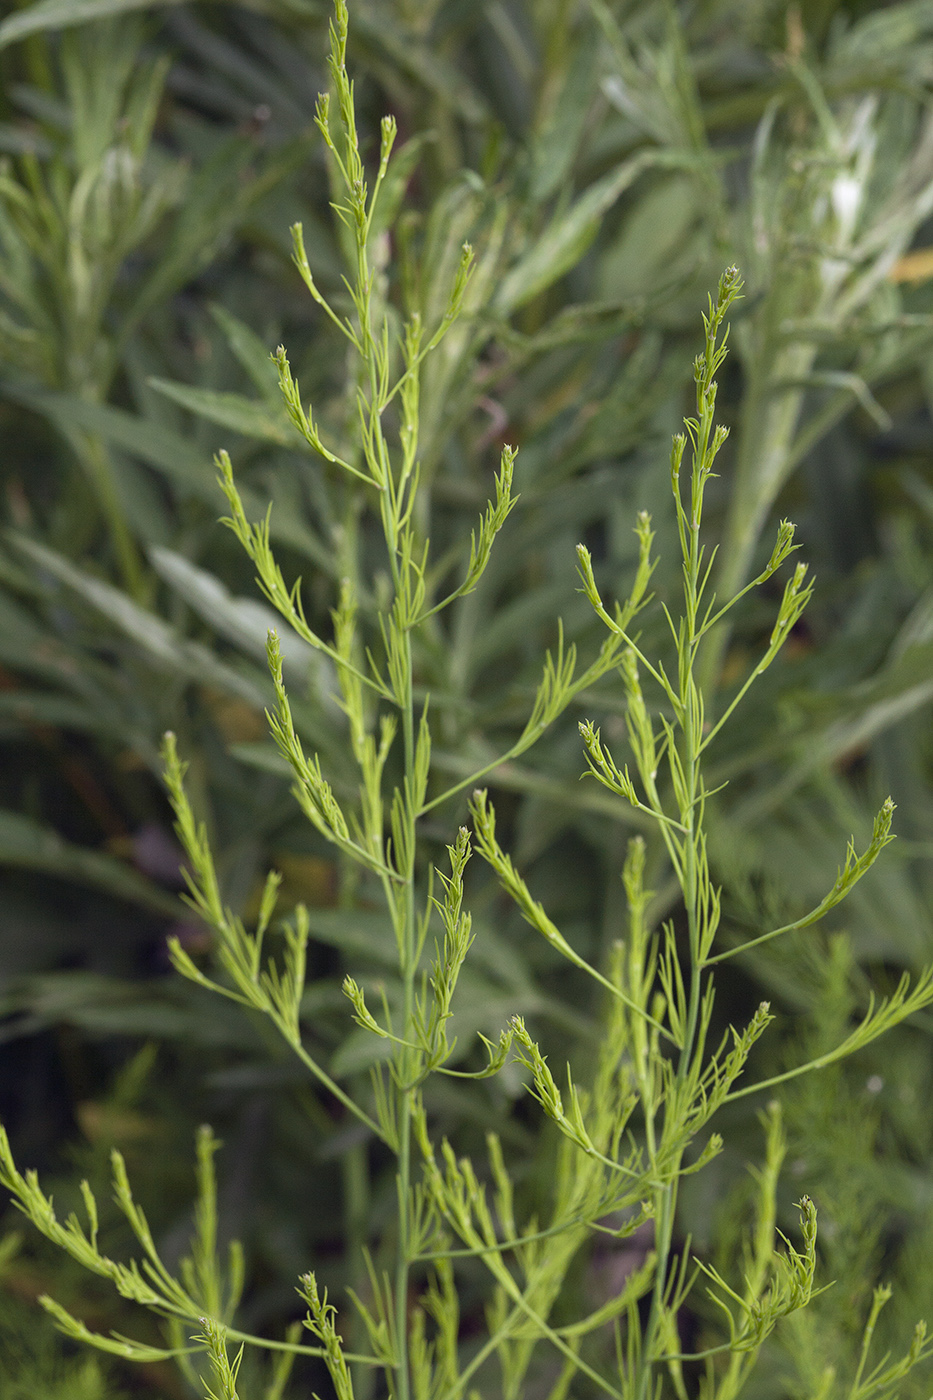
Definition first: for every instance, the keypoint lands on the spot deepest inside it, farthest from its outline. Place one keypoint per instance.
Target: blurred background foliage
(606, 159)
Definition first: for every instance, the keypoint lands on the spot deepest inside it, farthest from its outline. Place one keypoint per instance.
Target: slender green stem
(689, 711)
(489, 1348)
(266, 1344)
(504, 1246)
(666, 1194)
(334, 1088)
(406, 934)
(406, 1090)
(557, 1340)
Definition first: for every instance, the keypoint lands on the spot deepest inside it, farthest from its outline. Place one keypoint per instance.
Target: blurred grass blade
(168, 452)
(157, 446)
(58, 14)
(29, 845)
(421, 62)
(233, 411)
(161, 642)
(217, 198)
(244, 621)
(103, 1005)
(252, 353)
(562, 127)
(569, 234)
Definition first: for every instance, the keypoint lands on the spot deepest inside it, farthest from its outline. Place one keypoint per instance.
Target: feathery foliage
(411, 671)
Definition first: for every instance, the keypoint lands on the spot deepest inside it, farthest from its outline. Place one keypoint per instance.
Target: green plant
(631, 1129)
(71, 227)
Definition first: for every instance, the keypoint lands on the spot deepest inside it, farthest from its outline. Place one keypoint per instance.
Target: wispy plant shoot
(627, 1131)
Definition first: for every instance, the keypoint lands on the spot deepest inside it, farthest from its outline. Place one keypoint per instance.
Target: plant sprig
(629, 1131)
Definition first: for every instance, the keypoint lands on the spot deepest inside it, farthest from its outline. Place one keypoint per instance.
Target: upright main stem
(406, 1086)
(691, 723)
(666, 1195)
(404, 910)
